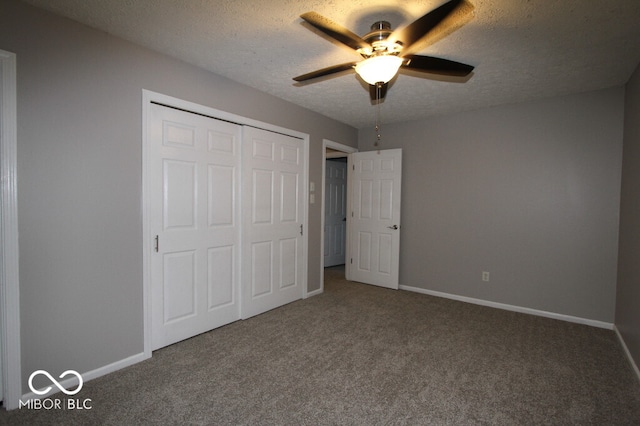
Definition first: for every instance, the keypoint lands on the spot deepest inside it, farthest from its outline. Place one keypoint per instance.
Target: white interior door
(193, 181)
(374, 220)
(335, 215)
(273, 207)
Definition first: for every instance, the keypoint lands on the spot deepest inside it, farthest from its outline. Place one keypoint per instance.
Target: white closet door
(273, 207)
(193, 182)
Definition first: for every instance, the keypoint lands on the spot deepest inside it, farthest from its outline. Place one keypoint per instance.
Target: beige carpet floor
(363, 355)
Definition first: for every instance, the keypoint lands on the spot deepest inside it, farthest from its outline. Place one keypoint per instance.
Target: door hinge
(301, 229)
(157, 243)
(352, 261)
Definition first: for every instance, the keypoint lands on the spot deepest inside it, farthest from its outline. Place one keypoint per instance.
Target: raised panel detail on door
(221, 276)
(222, 142)
(179, 194)
(290, 154)
(273, 173)
(374, 249)
(221, 182)
(288, 262)
(261, 266)
(385, 242)
(386, 199)
(290, 202)
(178, 135)
(364, 251)
(193, 181)
(179, 285)
(262, 200)
(262, 149)
(365, 199)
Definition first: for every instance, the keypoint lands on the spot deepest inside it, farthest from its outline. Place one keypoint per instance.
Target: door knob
(393, 227)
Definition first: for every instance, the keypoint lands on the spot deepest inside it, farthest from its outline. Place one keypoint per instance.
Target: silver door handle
(393, 227)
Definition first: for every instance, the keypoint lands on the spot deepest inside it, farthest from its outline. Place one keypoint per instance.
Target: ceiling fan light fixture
(378, 69)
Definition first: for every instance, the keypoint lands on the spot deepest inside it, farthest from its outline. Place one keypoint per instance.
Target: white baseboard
(626, 351)
(314, 292)
(546, 314)
(93, 374)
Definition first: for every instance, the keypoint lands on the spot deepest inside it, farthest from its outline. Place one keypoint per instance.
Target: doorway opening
(333, 153)
(335, 211)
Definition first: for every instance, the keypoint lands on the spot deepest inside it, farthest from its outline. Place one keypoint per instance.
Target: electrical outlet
(485, 276)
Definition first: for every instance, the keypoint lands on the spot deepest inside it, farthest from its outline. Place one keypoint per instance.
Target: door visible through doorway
(335, 208)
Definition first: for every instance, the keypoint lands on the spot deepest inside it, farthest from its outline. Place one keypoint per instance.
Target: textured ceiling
(522, 49)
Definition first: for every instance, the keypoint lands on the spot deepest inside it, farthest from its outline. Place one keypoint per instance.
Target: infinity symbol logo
(55, 382)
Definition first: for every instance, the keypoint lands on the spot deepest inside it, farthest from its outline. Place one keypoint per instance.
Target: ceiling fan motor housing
(377, 38)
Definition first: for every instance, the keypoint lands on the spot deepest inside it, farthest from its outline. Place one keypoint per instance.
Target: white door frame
(346, 149)
(9, 266)
(147, 241)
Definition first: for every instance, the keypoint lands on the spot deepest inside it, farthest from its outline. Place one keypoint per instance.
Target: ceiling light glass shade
(378, 69)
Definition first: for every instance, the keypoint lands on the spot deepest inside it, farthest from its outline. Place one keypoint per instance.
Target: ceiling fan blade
(378, 91)
(325, 71)
(335, 31)
(436, 24)
(433, 65)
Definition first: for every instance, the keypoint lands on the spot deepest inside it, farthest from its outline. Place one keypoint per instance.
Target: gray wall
(628, 297)
(529, 192)
(79, 180)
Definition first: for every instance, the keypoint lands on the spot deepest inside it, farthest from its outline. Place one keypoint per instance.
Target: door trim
(346, 149)
(9, 264)
(147, 242)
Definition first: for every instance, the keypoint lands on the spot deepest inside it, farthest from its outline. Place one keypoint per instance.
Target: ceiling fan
(386, 51)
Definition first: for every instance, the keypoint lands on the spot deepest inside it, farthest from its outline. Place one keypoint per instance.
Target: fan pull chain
(377, 127)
